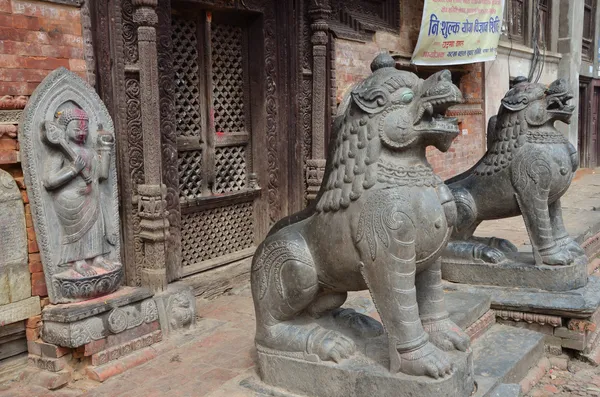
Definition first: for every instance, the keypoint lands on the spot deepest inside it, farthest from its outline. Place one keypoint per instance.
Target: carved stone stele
(528, 166)
(15, 284)
(379, 222)
(67, 142)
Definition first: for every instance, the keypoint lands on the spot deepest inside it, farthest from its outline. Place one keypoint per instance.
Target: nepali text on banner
(459, 31)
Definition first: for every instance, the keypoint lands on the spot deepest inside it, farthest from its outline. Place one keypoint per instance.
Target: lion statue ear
(371, 101)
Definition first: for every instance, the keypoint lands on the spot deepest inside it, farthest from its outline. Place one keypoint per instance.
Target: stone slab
(364, 374)
(361, 377)
(92, 231)
(103, 372)
(70, 312)
(466, 308)
(15, 283)
(12, 367)
(578, 303)
(504, 355)
(519, 270)
(507, 390)
(18, 311)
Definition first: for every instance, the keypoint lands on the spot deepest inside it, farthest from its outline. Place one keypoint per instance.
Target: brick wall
(353, 61)
(36, 37)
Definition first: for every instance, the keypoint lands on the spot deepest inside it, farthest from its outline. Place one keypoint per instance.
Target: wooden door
(217, 132)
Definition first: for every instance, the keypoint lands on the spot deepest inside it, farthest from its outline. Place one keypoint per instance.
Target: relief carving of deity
(67, 139)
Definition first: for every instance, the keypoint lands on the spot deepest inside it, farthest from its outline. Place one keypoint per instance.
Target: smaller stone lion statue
(528, 166)
(379, 222)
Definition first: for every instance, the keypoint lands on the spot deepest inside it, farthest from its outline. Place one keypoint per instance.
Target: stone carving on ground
(379, 222)
(528, 166)
(67, 143)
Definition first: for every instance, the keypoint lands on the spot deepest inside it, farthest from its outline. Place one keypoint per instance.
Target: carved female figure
(72, 177)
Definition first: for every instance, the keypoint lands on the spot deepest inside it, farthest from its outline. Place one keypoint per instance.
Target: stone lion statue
(528, 166)
(379, 222)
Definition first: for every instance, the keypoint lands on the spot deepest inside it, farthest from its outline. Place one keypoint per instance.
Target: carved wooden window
(545, 24)
(589, 12)
(216, 185)
(516, 20)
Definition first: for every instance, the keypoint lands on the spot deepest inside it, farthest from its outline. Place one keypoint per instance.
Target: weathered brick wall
(36, 37)
(353, 61)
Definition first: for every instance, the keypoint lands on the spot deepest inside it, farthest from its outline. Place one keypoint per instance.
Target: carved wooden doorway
(219, 136)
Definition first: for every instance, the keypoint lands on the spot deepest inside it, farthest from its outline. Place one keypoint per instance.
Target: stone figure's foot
(488, 254)
(360, 324)
(84, 269)
(503, 245)
(447, 336)
(310, 339)
(105, 263)
(112, 239)
(329, 345)
(567, 243)
(427, 360)
(556, 256)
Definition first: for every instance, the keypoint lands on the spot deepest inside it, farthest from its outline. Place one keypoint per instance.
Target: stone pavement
(217, 358)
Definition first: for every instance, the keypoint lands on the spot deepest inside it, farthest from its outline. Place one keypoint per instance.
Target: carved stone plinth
(365, 374)
(78, 324)
(518, 270)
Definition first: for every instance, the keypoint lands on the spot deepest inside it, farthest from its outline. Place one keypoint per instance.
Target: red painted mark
(208, 16)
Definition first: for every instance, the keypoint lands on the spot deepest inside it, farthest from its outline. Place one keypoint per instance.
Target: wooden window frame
(587, 42)
(528, 21)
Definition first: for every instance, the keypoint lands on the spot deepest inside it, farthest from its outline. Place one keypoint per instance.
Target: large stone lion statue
(380, 221)
(528, 166)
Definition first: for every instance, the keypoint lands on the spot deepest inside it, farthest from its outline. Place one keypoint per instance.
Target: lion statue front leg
(390, 272)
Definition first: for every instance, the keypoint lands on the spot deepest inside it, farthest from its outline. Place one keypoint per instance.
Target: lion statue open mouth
(528, 166)
(379, 222)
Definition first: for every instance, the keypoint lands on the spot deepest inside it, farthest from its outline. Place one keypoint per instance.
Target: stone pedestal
(518, 270)
(568, 319)
(365, 374)
(97, 334)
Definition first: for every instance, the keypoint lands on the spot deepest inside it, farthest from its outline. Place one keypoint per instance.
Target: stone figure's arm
(59, 174)
(105, 142)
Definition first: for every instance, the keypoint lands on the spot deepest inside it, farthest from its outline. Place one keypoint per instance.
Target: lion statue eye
(407, 97)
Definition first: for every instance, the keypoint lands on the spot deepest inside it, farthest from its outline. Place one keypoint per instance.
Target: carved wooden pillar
(319, 12)
(154, 223)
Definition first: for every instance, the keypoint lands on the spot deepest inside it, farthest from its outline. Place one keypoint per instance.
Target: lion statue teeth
(380, 222)
(528, 166)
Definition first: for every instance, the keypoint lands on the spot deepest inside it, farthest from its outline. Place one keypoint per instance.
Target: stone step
(507, 390)
(504, 355)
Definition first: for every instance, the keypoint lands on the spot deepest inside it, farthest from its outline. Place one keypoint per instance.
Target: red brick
(92, 347)
(77, 65)
(6, 20)
(8, 143)
(45, 10)
(44, 302)
(30, 234)
(32, 247)
(5, 6)
(25, 22)
(33, 322)
(35, 263)
(103, 372)
(38, 285)
(25, 197)
(8, 156)
(46, 63)
(45, 379)
(32, 334)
